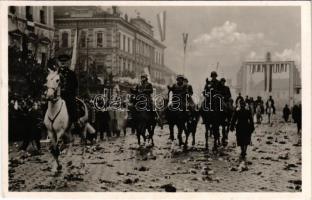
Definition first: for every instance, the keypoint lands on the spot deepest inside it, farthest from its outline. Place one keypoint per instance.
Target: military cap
(222, 80)
(63, 58)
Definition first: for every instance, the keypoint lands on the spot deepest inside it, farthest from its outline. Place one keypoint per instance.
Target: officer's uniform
(69, 85)
(179, 94)
(145, 89)
(225, 92)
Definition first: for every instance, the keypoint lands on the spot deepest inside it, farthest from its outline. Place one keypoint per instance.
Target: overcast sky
(228, 35)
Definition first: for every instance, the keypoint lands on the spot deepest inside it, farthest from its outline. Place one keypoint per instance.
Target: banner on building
(74, 53)
(147, 72)
(161, 19)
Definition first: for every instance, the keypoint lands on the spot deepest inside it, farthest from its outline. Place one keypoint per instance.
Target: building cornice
(268, 62)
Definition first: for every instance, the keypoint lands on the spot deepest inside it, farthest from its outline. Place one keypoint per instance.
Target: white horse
(56, 118)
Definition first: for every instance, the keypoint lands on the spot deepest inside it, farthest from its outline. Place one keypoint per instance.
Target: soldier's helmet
(213, 74)
(180, 77)
(223, 80)
(144, 75)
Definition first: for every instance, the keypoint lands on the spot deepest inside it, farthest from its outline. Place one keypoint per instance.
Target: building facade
(112, 43)
(31, 32)
(33, 26)
(279, 79)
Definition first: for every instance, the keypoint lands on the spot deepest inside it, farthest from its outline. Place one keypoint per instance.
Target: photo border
(306, 103)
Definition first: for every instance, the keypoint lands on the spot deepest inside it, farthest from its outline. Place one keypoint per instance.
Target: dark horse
(214, 115)
(177, 115)
(228, 110)
(191, 123)
(143, 118)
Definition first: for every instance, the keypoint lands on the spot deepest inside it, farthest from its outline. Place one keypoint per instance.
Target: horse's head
(53, 85)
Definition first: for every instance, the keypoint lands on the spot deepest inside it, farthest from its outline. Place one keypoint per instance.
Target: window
(99, 39)
(129, 45)
(12, 9)
(286, 67)
(258, 68)
(282, 67)
(64, 40)
(83, 39)
(29, 13)
(253, 68)
(277, 68)
(42, 16)
(124, 43)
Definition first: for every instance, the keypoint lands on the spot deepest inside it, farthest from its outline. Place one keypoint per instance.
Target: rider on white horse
(69, 86)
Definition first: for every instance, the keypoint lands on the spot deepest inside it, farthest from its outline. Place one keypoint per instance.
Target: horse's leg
(224, 135)
(55, 151)
(206, 135)
(152, 129)
(215, 129)
(171, 130)
(138, 136)
(193, 132)
(180, 130)
(187, 133)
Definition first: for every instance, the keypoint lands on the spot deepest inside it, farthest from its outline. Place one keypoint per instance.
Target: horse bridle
(55, 89)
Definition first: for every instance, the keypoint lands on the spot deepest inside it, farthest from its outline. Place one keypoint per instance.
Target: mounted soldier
(270, 102)
(225, 90)
(144, 115)
(228, 108)
(238, 99)
(190, 102)
(176, 109)
(144, 89)
(212, 109)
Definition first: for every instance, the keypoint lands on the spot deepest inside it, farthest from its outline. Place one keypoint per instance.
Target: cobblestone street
(273, 161)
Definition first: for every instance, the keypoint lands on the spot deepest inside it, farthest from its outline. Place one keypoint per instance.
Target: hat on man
(180, 77)
(213, 74)
(63, 58)
(223, 80)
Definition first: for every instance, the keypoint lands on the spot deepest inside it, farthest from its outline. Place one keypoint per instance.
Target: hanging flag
(147, 71)
(161, 19)
(74, 53)
(185, 36)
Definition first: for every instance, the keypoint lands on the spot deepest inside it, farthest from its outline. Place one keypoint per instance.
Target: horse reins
(53, 120)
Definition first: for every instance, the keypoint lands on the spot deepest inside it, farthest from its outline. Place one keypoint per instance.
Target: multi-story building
(280, 79)
(31, 32)
(112, 43)
(32, 26)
